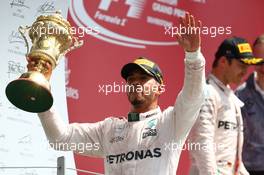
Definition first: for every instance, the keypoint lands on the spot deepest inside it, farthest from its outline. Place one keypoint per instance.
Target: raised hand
(191, 39)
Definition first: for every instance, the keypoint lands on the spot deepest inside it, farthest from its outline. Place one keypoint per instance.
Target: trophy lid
(56, 17)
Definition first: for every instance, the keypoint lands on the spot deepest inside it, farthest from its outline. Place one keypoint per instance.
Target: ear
(222, 61)
(160, 89)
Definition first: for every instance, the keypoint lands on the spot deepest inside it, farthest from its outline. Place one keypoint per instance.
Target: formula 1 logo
(135, 7)
(129, 23)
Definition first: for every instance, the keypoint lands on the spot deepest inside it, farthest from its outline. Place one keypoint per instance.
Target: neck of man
(143, 108)
(220, 76)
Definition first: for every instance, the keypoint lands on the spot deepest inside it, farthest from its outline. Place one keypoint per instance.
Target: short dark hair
(217, 58)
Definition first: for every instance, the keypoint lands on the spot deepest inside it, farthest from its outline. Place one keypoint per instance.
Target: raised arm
(83, 138)
(191, 97)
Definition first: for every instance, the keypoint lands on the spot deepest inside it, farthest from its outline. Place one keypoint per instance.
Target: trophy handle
(77, 43)
(22, 31)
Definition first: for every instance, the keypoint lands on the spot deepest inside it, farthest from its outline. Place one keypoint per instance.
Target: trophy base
(29, 96)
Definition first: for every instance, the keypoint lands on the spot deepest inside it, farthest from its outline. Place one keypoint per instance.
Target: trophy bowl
(51, 38)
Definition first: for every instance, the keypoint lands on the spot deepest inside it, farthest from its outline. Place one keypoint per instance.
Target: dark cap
(237, 48)
(144, 64)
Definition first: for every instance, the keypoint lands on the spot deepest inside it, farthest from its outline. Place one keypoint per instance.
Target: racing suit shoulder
(214, 94)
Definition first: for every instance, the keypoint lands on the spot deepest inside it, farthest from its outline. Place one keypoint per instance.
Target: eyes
(239, 64)
(242, 65)
(140, 78)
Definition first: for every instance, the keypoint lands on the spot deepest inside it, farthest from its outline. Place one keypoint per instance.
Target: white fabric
(219, 132)
(151, 146)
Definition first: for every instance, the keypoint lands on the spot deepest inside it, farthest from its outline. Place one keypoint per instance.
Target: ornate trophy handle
(22, 31)
(77, 43)
(31, 92)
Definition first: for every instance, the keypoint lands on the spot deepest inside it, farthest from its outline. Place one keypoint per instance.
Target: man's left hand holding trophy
(51, 38)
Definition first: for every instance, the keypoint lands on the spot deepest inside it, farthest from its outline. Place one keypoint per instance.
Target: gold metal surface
(51, 38)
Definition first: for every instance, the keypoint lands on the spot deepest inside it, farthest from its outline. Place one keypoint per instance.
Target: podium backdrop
(120, 30)
(114, 33)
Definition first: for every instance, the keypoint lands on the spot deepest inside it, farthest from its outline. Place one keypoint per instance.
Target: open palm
(190, 41)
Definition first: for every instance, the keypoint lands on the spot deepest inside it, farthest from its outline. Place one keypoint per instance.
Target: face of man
(259, 53)
(235, 71)
(142, 89)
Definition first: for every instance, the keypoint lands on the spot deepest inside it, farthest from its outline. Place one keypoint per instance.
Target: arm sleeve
(83, 138)
(191, 97)
(202, 139)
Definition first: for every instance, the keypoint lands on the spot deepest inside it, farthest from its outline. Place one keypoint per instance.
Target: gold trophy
(51, 38)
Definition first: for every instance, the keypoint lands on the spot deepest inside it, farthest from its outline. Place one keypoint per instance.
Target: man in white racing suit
(149, 141)
(217, 135)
